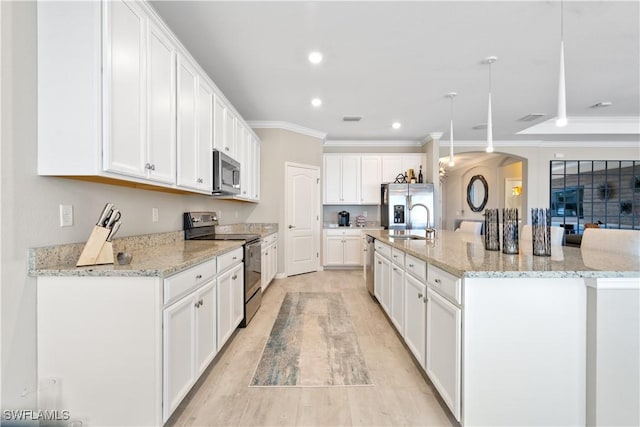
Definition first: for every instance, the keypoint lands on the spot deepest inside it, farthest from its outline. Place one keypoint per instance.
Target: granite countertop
(259, 228)
(463, 255)
(149, 260)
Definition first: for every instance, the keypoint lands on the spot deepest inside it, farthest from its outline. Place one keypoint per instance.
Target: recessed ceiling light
(396, 125)
(316, 102)
(602, 104)
(315, 57)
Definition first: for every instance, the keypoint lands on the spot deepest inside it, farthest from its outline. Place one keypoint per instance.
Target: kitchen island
(516, 339)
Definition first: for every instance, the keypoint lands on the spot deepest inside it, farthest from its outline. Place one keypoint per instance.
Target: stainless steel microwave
(226, 175)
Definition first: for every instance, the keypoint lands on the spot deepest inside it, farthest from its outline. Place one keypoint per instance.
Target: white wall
(29, 205)
(280, 146)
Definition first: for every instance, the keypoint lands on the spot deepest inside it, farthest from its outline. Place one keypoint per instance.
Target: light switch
(66, 215)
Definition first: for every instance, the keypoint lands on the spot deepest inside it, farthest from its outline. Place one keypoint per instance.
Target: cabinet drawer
(416, 267)
(180, 284)
(444, 283)
(383, 249)
(397, 256)
(230, 258)
(343, 232)
(272, 238)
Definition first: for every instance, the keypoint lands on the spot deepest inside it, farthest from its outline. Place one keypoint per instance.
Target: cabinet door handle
(266, 254)
(437, 281)
(234, 258)
(419, 296)
(226, 148)
(153, 167)
(235, 276)
(201, 302)
(199, 180)
(199, 276)
(411, 265)
(379, 262)
(292, 226)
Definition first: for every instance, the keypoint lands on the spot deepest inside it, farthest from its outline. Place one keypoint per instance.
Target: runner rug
(312, 343)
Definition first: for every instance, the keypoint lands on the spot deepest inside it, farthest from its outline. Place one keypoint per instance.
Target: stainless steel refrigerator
(396, 200)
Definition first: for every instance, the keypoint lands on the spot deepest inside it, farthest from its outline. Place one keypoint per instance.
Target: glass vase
(510, 231)
(491, 230)
(541, 231)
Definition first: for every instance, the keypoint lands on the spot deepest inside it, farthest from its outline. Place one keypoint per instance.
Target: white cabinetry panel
(125, 84)
(161, 107)
(444, 349)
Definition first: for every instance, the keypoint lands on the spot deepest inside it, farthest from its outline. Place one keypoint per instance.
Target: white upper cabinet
(119, 99)
(161, 107)
(195, 128)
(225, 128)
(341, 179)
(396, 164)
(370, 180)
(125, 89)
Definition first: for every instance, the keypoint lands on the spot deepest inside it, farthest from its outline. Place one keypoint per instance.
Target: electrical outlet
(66, 215)
(219, 214)
(154, 214)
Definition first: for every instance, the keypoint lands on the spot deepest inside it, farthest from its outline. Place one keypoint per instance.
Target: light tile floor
(400, 395)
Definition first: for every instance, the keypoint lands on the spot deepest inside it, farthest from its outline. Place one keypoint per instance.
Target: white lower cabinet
(269, 260)
(415, 315)
(230, 302)
(444, 326)
(342, 247)
(189, 341)
(179, 353)
(397, 297)
(382, 280)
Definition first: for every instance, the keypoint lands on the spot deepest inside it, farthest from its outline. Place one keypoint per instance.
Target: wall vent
(531, 117)
(351, 118)
(481, 126)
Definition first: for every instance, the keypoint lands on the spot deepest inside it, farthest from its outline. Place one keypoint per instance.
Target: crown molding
(372, 143)
(601, 125)
(550, 144)
(287, 126)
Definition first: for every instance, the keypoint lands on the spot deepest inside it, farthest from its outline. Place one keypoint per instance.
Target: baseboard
(280, 276)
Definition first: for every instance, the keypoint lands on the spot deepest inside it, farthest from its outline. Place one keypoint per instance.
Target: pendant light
(490, 60)
(561, 119)
(451, 95)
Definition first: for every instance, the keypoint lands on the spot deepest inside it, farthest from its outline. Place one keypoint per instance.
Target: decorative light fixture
(561, 119)
(517, 190)
(451, 95)
(316, 102)
(315, 57)
(396, 125)
(490, 60)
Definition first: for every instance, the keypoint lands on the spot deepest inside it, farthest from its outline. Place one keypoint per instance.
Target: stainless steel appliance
(368, 264)
(226, 175)
(396, 201)
(201, 226)
(343, 219)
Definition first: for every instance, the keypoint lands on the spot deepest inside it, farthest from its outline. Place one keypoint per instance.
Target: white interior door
(302, 219)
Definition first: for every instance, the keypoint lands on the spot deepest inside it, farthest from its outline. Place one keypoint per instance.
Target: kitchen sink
(407, 237)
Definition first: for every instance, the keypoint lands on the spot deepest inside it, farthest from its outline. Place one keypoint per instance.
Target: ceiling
(394, 61)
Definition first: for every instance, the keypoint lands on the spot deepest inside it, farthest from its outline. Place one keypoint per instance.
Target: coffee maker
(343, 219)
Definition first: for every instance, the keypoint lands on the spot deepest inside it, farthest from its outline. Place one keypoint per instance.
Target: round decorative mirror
(477, 193)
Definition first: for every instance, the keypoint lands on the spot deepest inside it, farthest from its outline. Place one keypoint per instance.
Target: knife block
(97, 250)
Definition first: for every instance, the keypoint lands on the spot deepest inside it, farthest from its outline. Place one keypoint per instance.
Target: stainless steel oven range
(201, 226)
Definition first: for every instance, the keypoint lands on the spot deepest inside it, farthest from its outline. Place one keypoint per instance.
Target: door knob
(292, 226)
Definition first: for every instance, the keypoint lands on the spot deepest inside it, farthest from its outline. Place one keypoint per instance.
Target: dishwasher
(368, 263)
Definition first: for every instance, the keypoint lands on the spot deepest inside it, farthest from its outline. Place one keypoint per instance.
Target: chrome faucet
(430, 232)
